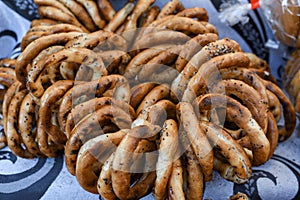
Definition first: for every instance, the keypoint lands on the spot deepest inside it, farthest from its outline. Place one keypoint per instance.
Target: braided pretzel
(167, 149)
(170, 8)
(241, 116)
(197, 139)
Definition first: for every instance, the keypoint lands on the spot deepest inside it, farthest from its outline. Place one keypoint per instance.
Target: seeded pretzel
(91, 158)
(56, 14)
(242, 117)
(90, 127)
(210, 53)
(86, 57)
(81, 110)
(167, 149)
(197, 138)
(175, 185)
(195, 12)
(90, 90)
(56, 4)
(119, 18)
(106, 9)
(170, 8)
(34, 48)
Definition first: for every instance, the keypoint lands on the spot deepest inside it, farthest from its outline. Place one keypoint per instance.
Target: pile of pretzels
(142, 99)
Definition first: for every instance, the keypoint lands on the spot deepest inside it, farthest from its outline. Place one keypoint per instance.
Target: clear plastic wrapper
(282, 15)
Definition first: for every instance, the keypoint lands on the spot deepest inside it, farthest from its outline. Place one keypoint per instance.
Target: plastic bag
(282, 15)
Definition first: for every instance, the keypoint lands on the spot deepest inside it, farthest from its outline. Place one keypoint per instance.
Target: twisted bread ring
(89, 127)
(91, 158)
(90, 90)
(106, 9)
(197, 138)
(167, 149)
(241, 116)
(195, 12)
(35, 47)
(175, 185)
(170, 8)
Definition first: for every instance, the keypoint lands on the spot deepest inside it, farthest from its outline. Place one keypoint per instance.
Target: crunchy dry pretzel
(135, 65)
(210, 51)
(80, 13)
(240, 170)
(189, 25)
(139, 91)
(54, 13)
(175, 185)
(157, 93)
(93, 11)
(106, 9)
(156, 114)
(193, 46)
(197, 138)
(132, 20)
(115, 61)
(90, 127)
(242, 117)
(195, 12)
(91, 158)
(41, 31)
(159, 62)
(14, 139)
(167, 149)
(48, 103)
(86, 57)
(26, 124)
(150, 16)
(10, 93)
(248, 95)
(56, 4)
(158, 38)
(87, 91)
(99, 41)
(193, 176)
(170, 8)
(8, 62)
(34, 48)
(119, 18)
(43, 22)
(104, 183)
(122, 162)
(7, 76)
(288, 111)
(272, 133)
(198, 83)
(81, 110)
(274, 105)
